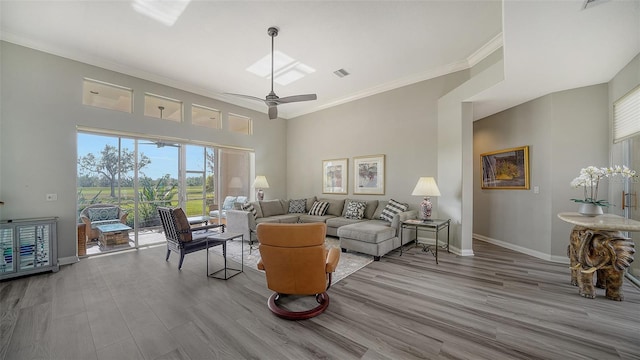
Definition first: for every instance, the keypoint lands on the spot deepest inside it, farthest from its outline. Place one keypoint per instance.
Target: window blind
(626, 116)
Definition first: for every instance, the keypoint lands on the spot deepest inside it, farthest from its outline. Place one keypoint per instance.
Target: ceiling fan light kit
(272, 100)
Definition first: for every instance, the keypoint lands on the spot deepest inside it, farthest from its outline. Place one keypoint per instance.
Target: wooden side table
(433, 226)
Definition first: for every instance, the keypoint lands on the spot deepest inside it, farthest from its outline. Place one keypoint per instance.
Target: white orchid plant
(590, 178)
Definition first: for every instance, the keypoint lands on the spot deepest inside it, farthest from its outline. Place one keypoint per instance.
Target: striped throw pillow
(319, 208)
(393, 207)
(249, 207)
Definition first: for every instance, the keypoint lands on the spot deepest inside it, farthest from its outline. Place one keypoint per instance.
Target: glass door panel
(157, 185)
(195, 181)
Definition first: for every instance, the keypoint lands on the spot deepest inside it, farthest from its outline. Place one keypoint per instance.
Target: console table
(433, 226)
(28, 246)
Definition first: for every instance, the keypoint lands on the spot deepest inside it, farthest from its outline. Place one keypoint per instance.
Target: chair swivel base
(323, 303)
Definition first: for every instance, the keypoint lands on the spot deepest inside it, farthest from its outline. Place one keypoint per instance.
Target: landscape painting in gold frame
(506, 169)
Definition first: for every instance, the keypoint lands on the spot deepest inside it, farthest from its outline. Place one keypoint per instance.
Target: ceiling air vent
(341, 73)
(592, 3)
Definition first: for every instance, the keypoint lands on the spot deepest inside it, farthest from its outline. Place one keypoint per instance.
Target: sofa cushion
(267, 220)
(355, 209)
(286, 219)
(95, 224)
(392, 208)
(336, 222)
(271, 208)
(367, 231)
(319, 208)
(298, 206)
(372, 205)
(306, 218)
(336, 206)
(310, 202)
(256, 206)
(103, 213)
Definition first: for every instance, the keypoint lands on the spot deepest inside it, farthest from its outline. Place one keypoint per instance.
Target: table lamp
(426, 187)
(260, 183)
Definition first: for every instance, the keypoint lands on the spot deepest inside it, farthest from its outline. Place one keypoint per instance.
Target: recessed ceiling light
(166, 12)
(285, 68)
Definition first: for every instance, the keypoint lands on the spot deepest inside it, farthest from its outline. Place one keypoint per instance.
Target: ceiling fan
(159, 144)
(272, 100)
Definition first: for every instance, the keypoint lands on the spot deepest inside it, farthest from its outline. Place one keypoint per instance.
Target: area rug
(349, 263)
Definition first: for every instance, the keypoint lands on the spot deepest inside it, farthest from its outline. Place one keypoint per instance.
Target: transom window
(162, 107)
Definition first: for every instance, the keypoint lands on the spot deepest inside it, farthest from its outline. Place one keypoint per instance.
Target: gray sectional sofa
(369, 235)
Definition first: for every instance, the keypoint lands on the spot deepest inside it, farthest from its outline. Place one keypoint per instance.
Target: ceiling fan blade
(297, 98)
(246, 96)
(273, 112)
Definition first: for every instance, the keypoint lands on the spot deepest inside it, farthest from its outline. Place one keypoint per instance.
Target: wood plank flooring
(498, 304)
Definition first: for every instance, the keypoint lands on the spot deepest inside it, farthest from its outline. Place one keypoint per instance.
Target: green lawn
(194, 206)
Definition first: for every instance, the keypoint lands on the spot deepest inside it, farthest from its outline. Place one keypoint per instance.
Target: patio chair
(181, 237)
(296, 262)
(101, 214)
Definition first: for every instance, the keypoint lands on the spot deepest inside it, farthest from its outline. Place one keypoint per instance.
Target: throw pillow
(355, 210)
(393, 207)
(249, 207)
(298, 206)
(319, 208)
(182, 225)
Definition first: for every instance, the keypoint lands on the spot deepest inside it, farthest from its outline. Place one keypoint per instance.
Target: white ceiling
(548, 45)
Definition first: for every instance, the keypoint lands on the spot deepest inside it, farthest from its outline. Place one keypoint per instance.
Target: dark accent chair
(296, 262)
(181, 237)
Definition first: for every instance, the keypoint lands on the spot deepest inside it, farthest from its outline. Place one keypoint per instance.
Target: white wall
(41, 107)
(401, 123)
(565, 132)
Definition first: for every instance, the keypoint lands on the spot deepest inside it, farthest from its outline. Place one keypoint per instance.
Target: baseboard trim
(520, 249)
(68, 260)
(452, 249)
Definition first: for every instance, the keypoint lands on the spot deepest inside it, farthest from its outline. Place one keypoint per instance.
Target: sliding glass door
(138, 175)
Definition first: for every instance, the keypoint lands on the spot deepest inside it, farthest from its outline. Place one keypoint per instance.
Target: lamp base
(425, 210)
(260, 195)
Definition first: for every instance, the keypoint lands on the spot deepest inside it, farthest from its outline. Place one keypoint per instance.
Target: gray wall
(41, 107)
(401, 124)
(565, 132)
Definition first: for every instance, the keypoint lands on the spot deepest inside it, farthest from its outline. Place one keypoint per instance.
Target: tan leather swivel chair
(296, 262)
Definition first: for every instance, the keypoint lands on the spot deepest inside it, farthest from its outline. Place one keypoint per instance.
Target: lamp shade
(260, 182)
(426, 186)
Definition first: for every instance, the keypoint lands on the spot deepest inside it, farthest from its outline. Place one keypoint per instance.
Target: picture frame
(335, 176)
(506, 169)
(369, 173)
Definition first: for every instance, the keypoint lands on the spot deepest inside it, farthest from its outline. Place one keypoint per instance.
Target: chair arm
(332, 260)
(405, 215)
(238, 222)
(86, 220)
(207, 227)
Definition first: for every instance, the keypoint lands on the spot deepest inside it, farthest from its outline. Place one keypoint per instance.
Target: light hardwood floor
(498, 304)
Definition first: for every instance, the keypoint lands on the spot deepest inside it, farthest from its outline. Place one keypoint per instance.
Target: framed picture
(368, 174)
(506, 169)
(335, 175)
